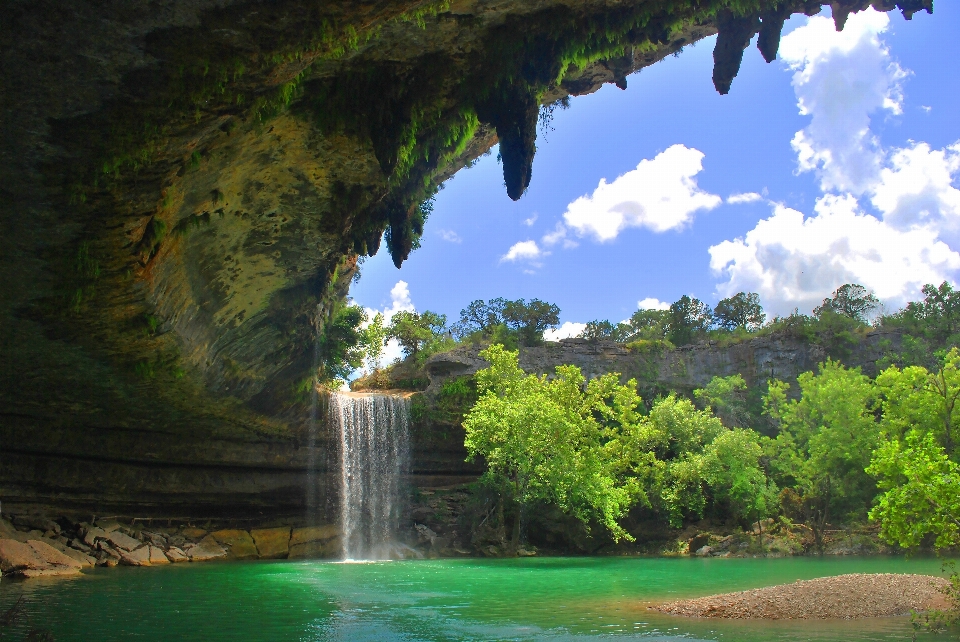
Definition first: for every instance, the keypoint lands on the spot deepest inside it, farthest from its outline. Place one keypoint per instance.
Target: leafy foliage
(503, 321)
(742, 310)
(559, 440)
(416, 331)
(850, 300)
(688, 317)
(340, 344)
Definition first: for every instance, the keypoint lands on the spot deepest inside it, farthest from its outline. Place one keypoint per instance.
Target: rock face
(686, 368)
(186, 185)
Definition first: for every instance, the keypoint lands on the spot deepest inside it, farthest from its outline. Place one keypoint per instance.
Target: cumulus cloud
(916, 188)
(523, 251)
(660, 194)
(450, 236)
(651, 303)
(793, 261)
(565, 331)
(530, 221)
(841, 79)
(747, 197)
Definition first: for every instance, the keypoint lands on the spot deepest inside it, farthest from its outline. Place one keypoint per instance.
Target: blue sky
(840, 158)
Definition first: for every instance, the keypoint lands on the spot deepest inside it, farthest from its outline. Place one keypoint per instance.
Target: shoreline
(850, 596)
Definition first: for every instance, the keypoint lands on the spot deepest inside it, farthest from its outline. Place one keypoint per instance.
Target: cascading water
(374, 456)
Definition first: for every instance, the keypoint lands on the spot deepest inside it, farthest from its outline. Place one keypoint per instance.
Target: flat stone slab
(207, 549)
(51, 555)
(313, 534)
(176, 555)
(123, 542)
(272, 543)
(238, 543)
(157, 556)
(138, 557)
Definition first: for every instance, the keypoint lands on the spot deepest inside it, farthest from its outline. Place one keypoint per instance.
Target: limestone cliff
(187, 184)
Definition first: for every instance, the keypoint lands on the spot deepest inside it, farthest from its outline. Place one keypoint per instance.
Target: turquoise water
(526, 599)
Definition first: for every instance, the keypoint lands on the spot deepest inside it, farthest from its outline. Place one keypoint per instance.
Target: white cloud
(558, 235)
(565, 331)
(530, 221)
(660, 194)
(523, 251)
(651, 303)
(917, 188)
(793, 262)
(747, 197)
(840, 79)
(450, 236)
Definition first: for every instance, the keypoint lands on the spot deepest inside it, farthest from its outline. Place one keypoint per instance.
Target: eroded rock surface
(186, 186)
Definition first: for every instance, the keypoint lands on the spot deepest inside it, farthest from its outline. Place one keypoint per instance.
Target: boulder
(207, 549)
(175, 555)
(157, 539)
(704, 551)
(18, 556)
(51, 555)
(36, 523)
(137, 557)
(326, 549)
(123, 542)
(92, 534)
(156, 556)
(272, 543)
(80, 546)
(191, 532)
(238, 543)
(313, 534)
(86, 561)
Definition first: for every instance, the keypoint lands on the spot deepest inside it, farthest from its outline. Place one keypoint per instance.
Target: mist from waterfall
(374, 457)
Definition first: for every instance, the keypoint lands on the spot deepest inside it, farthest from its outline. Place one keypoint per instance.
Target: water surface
(526, 599)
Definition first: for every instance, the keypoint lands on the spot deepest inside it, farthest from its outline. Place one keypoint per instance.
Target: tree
(560, 440)
(480, 317)
(921, 491)
(373, 341)
(915, 399)
(826, 440)
(742, 310)
(531, 319)
(850, 300)
(725, 397)
(604, 330)
(340, 348)
(527, 321)
(688, 318)
(414, 331)
(650, 325)
(731, 467)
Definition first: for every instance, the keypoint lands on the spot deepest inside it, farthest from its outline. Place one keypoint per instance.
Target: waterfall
(374, 455)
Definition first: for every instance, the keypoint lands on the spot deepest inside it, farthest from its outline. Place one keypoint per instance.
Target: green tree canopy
(826, 440)
(689, 317)
(850, 300)
(559, 440)
(414, 331)
(340, 344)
(742, 310)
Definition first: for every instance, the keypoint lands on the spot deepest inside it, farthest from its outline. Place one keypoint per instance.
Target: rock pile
(32, 546)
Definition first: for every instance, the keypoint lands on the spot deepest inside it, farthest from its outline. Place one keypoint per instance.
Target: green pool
(528, 599)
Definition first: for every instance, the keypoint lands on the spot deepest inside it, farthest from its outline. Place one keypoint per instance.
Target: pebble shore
(856, 595)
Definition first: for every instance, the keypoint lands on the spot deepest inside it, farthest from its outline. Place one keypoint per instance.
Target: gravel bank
(844, 596)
